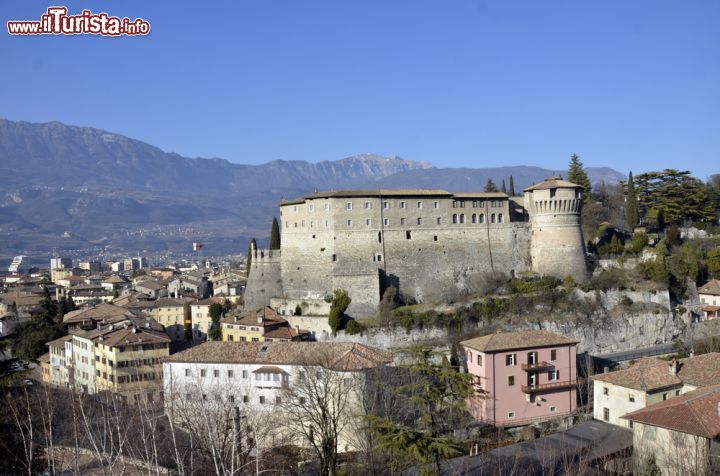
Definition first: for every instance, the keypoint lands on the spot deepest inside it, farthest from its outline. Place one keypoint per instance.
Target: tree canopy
(577, 175)
(275, 235)
(490, 186)
(672, 197)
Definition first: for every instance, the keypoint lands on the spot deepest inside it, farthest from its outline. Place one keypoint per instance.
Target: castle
(429, 244)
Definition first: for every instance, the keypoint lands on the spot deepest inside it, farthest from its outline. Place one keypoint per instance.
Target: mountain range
(90, 191)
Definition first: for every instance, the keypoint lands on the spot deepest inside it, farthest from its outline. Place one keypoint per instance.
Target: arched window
(454, 218)
(482, 218)
(500, 218)
(474, 218)
(492, 218)
(462, 218)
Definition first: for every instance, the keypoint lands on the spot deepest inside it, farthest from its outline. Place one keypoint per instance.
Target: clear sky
(626, 84)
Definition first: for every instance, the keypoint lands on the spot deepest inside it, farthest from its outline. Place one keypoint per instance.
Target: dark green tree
(512, 187)
(679, 196)
(503, 189)
(631, 204)
(490, 186)
(275, 235)
(341, 301)
(433, 393)
(577, 175)
(215, 312)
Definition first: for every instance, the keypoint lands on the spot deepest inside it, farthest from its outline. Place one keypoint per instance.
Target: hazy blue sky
(627, 84)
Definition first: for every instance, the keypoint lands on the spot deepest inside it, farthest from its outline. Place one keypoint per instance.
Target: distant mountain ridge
(79, 187)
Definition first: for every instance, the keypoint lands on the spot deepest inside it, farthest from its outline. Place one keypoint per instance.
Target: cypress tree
(631, 208)
(512, 187)
(503, 189)
(275, 235)
(577, 175)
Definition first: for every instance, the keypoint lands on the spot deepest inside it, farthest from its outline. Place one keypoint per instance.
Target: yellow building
(170, 312)
(128, 360)
(260, 325)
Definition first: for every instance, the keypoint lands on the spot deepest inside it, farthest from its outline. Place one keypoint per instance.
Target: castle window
(379, 237)
(327, 206)
(312, 208)
(294, 208)
(462, 218)
(455, 203)
(419, 221)
(492, 218)
(419, 204)
(368, 205)
(500, 218)
(482, 218)
(287, 224)
(302, 223)
(434, 237)
(403, 204)
(439, 220)
(379, 257)
(462, 203)
(368, 221)
(295, 225)
(386, 221)
(334, 257)
(386, 205)
(408, 236)
(402, 221)
(436, 204)
(349, 223)
(348, 205)
(312, 223)
(475, 203)
(474, 218)
(454, 218)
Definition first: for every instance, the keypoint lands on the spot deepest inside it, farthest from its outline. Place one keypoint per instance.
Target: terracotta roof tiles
(517, 340)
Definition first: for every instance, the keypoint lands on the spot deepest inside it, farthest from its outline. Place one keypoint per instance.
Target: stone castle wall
(430, 245)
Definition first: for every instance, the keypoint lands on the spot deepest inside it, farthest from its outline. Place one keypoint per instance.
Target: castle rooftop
(552, 182)
(400, 192)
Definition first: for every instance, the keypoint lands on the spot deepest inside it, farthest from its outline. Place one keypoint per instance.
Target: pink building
(524, 376)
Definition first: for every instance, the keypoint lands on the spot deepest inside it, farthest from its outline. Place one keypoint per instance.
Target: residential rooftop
(517, 340)
(342, 356)
(552, 182)
(711, 287)
(695, 413)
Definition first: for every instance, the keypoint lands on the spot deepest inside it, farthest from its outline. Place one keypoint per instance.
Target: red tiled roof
(517, 340)
(711, 287)
(344, 356)
(648, 374)
(552, 182)
(695, 413)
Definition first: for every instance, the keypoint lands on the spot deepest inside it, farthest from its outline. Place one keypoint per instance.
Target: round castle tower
(557, 246)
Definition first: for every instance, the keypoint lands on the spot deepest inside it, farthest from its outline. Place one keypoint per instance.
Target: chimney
(673, 367)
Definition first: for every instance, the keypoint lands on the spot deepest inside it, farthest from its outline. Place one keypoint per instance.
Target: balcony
(537, 366)
(551, 386)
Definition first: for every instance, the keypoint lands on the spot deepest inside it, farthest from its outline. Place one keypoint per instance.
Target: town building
(200, 317)
(19, 265)
(259, 377)
(260, 325)
(648, 381)
(681, 435)
(154, 289)
(709, 295)
(170, 312)
(88, 318)
(522, 376)
(362, 241)
(60, 263)
(92, 266)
